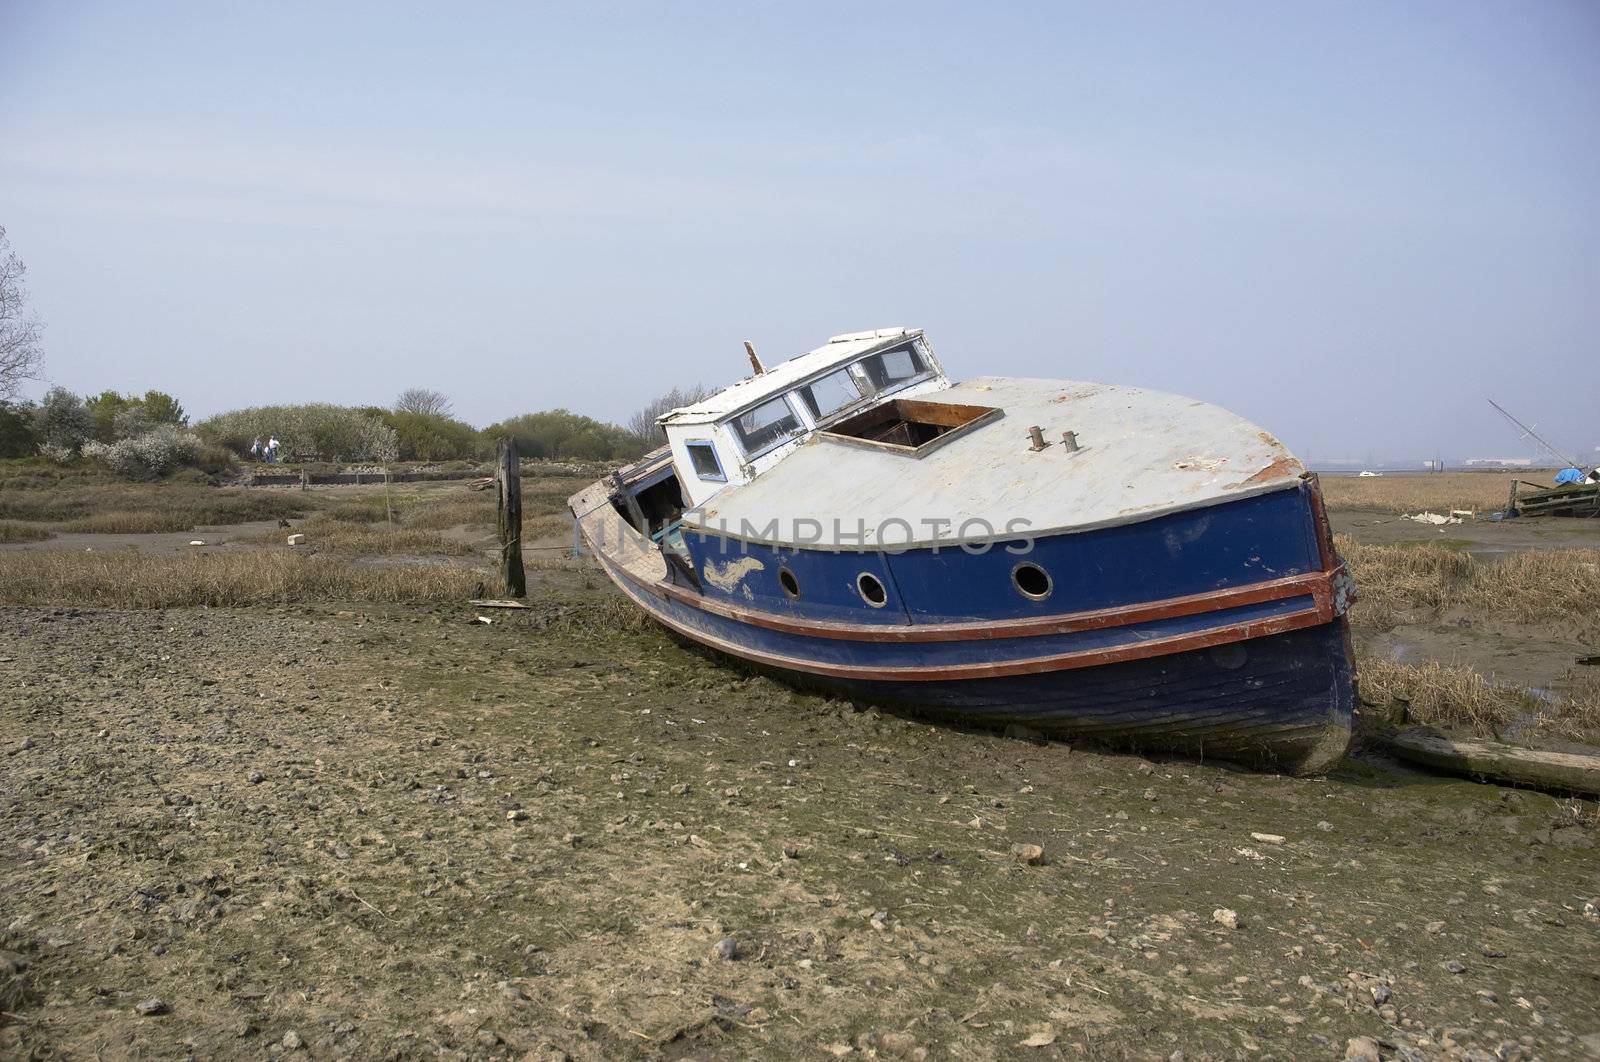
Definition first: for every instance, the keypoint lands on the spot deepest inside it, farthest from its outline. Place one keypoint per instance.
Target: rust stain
(1281, 466)
(1073, 394)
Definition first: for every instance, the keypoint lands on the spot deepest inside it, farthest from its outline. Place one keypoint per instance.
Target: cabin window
(894, 367)
(791, 585)
(871, 589)
(703, 456)
(767, 425)
(1031, 581)
(834, 391)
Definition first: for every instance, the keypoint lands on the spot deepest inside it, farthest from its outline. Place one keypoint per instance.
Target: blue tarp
(1569, 475)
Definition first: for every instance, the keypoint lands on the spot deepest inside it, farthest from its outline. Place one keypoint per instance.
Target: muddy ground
(1481, 537)
(1541, 657)
(386, 832)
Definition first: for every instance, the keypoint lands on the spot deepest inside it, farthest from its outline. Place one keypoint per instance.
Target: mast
(1530, 433)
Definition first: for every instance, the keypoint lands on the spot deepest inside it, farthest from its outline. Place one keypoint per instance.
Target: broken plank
(494, 603)
(1566, 771)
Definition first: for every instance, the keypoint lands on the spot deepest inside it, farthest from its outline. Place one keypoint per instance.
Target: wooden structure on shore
(1568, 499)
(508, 478)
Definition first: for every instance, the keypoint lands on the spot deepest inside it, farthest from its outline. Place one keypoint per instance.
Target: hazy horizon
(1351, 224)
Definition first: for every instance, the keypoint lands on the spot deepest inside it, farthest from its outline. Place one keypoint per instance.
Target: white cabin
(741, 431)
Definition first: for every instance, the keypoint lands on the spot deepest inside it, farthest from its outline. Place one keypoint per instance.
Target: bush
(17, 438)
(62, 424)
(119, 416)
(432, 437)
(559, 433)
(318, 431)
(149, 456)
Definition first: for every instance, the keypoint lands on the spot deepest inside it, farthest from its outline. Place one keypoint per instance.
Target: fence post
(508, 481)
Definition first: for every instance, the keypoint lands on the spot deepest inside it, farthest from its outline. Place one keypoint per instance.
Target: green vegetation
(561, 434)
(313, 432)
(119, 416)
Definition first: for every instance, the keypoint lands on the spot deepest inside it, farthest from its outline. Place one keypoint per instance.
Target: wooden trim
(1310, 617)
(1319, 518)
(992, 414)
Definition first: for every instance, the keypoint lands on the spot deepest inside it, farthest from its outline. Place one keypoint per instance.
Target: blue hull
(1213, 632)
(1280, 701)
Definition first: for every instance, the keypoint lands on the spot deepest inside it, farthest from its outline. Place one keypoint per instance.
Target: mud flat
(387, 831)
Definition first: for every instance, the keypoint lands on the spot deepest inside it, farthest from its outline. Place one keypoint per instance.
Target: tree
(422, 400)
(20, 357)
(643, 423)
(104, 408)
(124, 416)
(17, 438)
(61, 422)
(560, 433)
(428, 437)
(162, 408)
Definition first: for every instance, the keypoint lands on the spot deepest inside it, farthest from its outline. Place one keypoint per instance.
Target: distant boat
(1084, 560)
(1364, 474)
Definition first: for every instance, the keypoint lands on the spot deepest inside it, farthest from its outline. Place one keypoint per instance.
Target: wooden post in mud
(508, 482)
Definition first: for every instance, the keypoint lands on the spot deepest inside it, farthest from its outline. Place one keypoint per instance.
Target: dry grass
(550, 495)
(1539, 586)
(359, 539)
(1451, 695)
(12, 531)
(135, 580)
(130, 522)
(142, 508)
(1441, 492)
(474, 510)
(544, 502)
(553, 525)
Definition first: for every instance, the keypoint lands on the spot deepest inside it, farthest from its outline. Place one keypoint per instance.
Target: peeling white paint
(728, 576)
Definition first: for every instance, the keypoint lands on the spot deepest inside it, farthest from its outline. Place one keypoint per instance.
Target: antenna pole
(1532, 434)
(755, 362)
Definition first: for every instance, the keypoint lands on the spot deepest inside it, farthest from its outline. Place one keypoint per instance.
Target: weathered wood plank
(1565, 771)
(508, 478)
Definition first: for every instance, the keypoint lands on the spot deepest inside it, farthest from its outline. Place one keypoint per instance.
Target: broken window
(833, 392)
(893, 367)
(767, 425)
(703, 456)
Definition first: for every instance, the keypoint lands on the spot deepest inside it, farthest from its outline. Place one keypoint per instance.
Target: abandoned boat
(1084, 560)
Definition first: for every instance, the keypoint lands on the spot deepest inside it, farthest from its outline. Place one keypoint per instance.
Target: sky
(1349, 222)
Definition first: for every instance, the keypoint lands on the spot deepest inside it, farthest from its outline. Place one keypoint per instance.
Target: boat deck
(1143, 454)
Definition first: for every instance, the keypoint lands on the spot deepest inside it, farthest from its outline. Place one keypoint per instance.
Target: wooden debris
(496, 603)
(1565, 771)
(1568, 499)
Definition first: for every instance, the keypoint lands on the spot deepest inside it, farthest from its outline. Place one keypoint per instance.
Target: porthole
(1031, 581)
(871, 590)
(790, 584)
